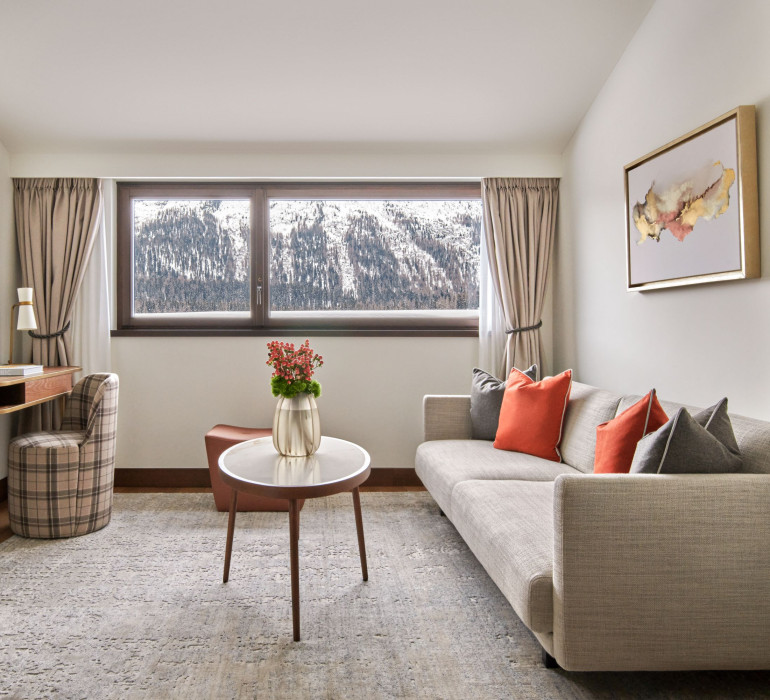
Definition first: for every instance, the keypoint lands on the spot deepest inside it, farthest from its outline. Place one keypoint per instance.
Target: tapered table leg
(294, 537)
(360, 531)
(230, 530)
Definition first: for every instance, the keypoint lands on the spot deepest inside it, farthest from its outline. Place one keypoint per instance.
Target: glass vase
(296, 426)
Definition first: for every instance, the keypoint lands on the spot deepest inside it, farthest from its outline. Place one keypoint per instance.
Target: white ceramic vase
(297, 426)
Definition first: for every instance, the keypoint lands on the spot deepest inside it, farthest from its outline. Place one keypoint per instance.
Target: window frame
(259, 321)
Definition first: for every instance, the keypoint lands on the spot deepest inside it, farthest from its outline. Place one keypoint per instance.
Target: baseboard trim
(4, 489)
(197, 478)
(163, 478)
(392, 476)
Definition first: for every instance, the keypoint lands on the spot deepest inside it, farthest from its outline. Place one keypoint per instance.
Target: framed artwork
(692, 212)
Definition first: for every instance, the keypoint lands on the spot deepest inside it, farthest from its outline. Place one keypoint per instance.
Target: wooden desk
(17, 393)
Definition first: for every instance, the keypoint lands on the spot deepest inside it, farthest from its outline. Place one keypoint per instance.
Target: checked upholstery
(60, 482)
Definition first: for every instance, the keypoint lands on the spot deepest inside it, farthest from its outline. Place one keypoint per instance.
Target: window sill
(466, 332)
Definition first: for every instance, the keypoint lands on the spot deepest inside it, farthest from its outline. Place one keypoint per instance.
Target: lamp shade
(26, 320)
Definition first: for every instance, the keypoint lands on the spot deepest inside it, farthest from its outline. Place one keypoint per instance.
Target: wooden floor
(5, 522)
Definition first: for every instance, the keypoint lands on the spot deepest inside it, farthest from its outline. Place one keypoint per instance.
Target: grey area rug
(139, 610)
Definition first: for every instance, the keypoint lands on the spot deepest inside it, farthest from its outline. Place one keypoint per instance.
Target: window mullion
(259, 259)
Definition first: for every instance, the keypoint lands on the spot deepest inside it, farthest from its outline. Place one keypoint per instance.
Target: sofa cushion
(616, 439)
(753, 438)
(751, 434)
(486, 397)
(716, 420)
(683, 446)
(508, 525)
(670, 407)
(442, 464)
(532, 414)
(587, 408)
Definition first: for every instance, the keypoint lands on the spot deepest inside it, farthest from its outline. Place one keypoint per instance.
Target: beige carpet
(138, 610)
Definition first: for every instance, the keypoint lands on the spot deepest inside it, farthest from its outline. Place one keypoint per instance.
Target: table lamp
(26, 320)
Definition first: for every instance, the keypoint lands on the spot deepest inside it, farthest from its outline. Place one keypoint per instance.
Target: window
(252, 257)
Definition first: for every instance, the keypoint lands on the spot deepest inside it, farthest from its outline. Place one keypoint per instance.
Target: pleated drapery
(519, 229)
(90, 331)
(56, 223)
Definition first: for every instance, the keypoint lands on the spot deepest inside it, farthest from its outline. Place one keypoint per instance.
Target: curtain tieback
(525, 328)
(45, 336)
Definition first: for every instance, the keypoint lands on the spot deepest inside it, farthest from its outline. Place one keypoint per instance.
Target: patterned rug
(139, 610)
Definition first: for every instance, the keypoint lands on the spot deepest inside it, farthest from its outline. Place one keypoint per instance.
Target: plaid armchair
(60, 482)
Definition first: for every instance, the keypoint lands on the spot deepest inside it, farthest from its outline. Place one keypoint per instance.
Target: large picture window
(335, 257)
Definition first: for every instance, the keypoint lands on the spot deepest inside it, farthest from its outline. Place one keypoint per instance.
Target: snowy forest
(330, 255)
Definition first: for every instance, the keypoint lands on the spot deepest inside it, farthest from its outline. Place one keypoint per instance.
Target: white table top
(258, 462)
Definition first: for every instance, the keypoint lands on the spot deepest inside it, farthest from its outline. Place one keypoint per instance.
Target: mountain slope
(325, 255)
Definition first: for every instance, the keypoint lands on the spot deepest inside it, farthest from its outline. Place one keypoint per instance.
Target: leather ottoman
(218, 439)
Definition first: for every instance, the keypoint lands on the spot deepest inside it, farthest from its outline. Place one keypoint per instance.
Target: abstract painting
(691, 207)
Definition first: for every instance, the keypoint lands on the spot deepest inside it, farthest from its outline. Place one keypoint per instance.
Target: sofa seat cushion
(508, 526)
(442, 464)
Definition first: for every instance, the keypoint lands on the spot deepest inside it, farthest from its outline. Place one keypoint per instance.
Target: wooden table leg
(230, 530)
(294, 537)
(360, 530)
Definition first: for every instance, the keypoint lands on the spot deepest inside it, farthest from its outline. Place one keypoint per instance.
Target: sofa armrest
(446, 417)
(659, 572)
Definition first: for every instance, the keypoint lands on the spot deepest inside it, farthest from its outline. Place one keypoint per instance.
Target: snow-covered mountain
(191, 255)
(324, 255)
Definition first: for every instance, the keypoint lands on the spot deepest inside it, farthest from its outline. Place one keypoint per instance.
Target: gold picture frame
(692, 209)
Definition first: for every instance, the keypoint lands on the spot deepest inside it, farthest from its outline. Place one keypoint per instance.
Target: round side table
(255, 467)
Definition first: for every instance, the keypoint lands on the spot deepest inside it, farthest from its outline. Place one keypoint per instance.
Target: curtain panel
(519, 230)
(90, 330)
(56, 224)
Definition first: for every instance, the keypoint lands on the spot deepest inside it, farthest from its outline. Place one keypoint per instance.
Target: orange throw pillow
(532, 413)
(616, 439)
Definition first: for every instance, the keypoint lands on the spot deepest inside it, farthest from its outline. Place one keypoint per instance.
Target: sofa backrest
(752, 434)
(587, 408)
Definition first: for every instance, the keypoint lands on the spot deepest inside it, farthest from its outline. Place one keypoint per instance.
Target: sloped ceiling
(202, 76)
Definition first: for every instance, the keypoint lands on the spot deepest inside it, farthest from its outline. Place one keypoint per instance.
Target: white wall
(691, 61)
(333, 161)
(174, 389)
(7, 287)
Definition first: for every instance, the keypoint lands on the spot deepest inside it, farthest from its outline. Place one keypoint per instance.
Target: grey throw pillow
(717, 422)
(486, 398)
(704, 444)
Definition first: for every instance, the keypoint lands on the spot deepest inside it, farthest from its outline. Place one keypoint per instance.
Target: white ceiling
(204, 76)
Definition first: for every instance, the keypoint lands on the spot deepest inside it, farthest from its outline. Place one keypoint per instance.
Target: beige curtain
(56, 224)
(519, 229)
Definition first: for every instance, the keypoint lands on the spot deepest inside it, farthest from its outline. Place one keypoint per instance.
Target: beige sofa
(613, 572)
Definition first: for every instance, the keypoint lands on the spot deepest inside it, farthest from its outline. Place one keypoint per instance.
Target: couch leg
(441, 513)
(549, 661)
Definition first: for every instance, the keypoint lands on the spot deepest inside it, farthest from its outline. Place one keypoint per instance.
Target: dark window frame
(259, 322)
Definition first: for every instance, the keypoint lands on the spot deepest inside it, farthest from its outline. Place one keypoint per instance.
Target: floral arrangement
(293, 369)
